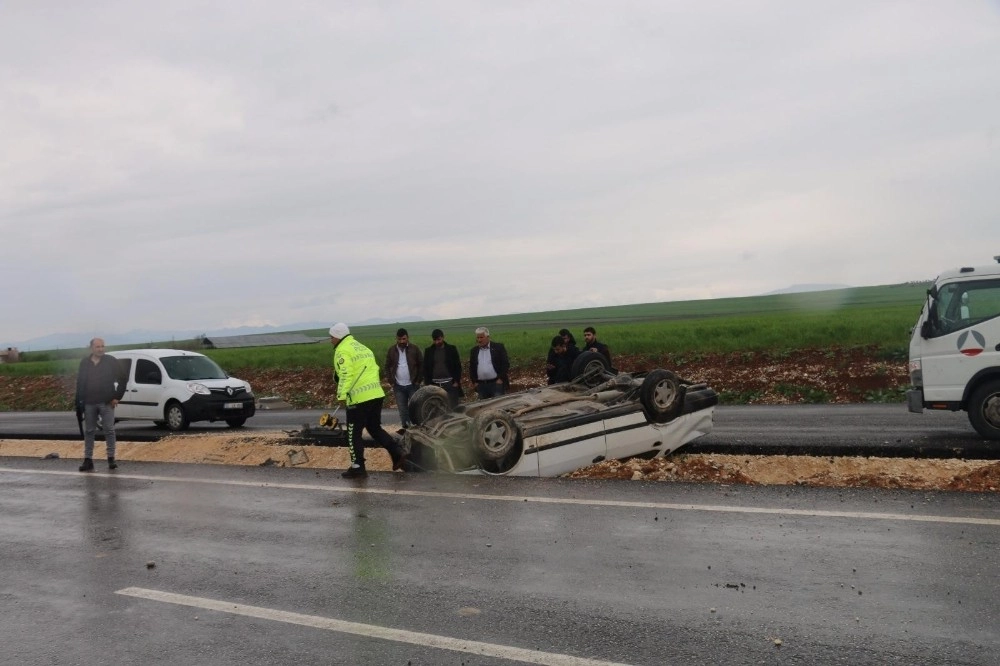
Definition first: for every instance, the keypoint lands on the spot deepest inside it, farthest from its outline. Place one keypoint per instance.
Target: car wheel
(662, 396)
(428, 402)
(237, 422)
(494, 434)
(984, 410)
(591, 368)
(176, 417)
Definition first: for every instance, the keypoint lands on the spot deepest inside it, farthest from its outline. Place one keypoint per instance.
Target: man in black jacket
(590, 343)
(99, 387)
(489, 367)
(442, 366)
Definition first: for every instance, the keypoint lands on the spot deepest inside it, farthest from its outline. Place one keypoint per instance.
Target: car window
(147, 372)
(124, 367)
(189, 368)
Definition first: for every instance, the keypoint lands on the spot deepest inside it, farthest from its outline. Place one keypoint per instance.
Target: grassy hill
(879, 317)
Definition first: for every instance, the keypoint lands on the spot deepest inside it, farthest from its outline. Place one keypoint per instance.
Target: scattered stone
(52, 456)
(150, 564)
(297, 457)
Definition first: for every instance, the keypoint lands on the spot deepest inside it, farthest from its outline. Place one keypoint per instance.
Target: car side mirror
(926, 330)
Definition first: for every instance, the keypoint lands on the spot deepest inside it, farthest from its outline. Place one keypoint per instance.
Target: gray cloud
(198, 165)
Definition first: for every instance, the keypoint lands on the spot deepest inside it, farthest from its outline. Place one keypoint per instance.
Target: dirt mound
(274, 449)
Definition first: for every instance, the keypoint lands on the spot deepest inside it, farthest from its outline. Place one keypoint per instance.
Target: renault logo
(229, 390)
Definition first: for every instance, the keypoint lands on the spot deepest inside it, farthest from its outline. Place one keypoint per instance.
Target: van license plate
(233, 405)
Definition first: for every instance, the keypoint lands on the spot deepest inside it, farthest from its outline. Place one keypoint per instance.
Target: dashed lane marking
(666, 506)
(369, 630)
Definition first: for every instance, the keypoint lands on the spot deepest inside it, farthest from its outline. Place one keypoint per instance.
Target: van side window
(147, 372)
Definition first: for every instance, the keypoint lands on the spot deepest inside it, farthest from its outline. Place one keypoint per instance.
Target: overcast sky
(199, 165)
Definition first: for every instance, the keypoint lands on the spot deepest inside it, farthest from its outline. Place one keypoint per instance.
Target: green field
(881, 316)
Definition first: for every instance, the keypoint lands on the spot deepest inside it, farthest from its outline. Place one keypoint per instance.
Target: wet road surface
(267, 565)
(860, 430)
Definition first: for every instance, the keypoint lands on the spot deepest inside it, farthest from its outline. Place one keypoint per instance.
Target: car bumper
(219, 408)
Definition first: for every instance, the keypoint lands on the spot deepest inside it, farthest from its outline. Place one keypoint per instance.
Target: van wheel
(984, 410)
(237, 422)
(176, 417)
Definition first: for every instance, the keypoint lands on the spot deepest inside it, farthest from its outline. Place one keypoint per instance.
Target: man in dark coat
(489, 367)
(99, 387)
(443, 367)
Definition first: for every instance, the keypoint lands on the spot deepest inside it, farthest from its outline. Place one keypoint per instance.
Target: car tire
(494, 434)
(176, 417)
(984, 410)
(590, 367)
(237, 422)
(662, 396)
(428, 402)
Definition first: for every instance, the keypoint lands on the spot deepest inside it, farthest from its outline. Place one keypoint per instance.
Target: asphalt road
(283, 565)
(867, 430)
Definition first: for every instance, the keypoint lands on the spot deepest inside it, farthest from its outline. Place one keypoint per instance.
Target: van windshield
(188, 368)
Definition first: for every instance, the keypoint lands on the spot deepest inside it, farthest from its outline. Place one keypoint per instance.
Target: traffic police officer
(359, 388)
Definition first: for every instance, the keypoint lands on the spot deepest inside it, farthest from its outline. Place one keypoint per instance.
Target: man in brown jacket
(404, 365)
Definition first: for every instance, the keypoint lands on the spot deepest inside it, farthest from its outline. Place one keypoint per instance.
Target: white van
(955, 348)
(174, 388)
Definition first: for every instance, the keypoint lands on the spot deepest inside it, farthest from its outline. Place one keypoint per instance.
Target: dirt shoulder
(271, 449)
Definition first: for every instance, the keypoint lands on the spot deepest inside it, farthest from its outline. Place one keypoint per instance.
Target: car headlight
(200, 389)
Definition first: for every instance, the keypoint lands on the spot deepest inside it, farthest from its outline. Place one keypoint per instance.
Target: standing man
(488, 365)
(403, 367)
(359, 388)
(590, 343)
(99, 387)
(443, 367)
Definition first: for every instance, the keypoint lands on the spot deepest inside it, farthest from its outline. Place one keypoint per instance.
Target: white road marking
(369, 630)
(666, 506)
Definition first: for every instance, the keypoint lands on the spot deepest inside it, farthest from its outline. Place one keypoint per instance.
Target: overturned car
(556, 429)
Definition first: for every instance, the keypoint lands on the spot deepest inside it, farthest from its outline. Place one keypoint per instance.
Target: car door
(125, 408)
(565, 450)
(144, 392)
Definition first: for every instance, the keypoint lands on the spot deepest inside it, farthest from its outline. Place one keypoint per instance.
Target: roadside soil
(820, 376)
(838, 375)
(274, 450)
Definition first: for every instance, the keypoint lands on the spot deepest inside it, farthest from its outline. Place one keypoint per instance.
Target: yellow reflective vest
(357, 372)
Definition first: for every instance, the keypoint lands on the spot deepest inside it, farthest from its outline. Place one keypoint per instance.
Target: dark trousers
(489, 388)
(367, 416)
(454, 392)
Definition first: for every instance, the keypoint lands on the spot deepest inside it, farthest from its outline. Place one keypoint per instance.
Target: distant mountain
(146, 336)
(802, 288)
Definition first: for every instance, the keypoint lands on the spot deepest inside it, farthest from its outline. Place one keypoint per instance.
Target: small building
(10, 355)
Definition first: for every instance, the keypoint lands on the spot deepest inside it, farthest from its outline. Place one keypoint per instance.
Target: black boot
(112, 464)
(354, 472)
(88, 465)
